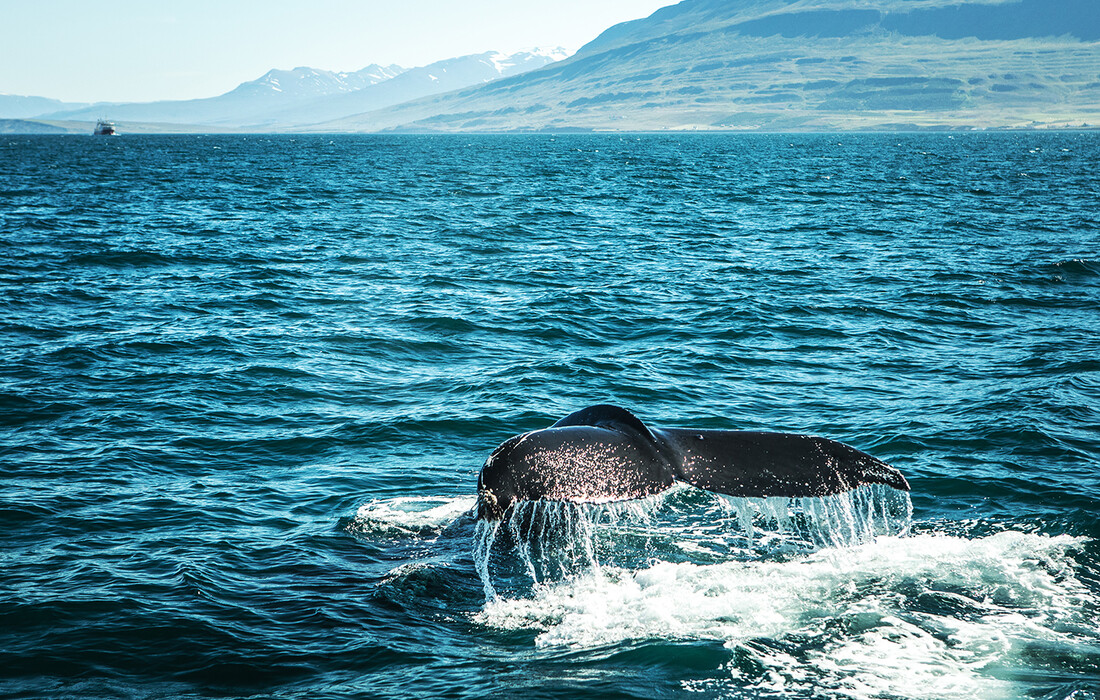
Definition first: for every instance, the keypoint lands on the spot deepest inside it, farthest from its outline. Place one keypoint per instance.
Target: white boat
(105, 128)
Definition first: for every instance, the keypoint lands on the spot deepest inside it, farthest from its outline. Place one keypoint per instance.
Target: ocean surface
(247, 383)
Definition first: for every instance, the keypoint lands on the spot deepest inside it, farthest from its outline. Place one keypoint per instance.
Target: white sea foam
(410, 515)
(927, 616)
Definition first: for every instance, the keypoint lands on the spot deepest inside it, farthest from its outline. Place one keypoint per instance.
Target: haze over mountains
(715, 64)
(282, 98)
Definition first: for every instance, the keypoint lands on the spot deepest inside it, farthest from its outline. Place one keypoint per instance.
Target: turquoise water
(247, 382)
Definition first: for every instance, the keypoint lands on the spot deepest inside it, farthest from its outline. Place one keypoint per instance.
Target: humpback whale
(604, 453)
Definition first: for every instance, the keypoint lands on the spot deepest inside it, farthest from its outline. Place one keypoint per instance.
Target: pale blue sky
(138, 50)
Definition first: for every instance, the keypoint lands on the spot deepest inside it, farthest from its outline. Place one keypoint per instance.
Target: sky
(145, 50)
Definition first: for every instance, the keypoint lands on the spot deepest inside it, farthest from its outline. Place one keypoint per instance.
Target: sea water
(247, 382)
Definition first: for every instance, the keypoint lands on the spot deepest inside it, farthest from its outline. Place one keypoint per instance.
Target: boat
(105, 128)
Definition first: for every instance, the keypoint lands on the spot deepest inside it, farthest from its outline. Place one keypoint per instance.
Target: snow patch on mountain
(526, 60)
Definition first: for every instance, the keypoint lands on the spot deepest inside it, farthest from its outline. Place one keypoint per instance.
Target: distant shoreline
(47, 128)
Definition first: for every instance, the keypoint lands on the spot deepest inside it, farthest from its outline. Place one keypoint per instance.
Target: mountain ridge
(797, 64)
(303, 95)
(306, 82)
(29, 106)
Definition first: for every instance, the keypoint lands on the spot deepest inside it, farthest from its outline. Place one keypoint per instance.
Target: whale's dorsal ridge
(606, 416)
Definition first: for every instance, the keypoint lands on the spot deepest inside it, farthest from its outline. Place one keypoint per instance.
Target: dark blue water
(246, 385)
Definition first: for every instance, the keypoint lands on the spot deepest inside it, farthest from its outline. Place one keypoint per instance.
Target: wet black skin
(604, 453)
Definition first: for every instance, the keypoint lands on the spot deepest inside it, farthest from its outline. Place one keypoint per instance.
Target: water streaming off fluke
(551, 540)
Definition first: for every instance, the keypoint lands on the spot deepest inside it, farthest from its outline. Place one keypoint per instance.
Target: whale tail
(761, 464)
(604, 453)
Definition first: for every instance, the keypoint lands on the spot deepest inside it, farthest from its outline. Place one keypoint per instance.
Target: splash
(485, 534)
(841, 520)
(409, 516)
(918, 616)
(554, 540)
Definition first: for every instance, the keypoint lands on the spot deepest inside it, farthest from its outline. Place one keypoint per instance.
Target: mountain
(311, 83)
(21, 107)
(435, 78)
(248, 103)
(283, 98)
(797, 64)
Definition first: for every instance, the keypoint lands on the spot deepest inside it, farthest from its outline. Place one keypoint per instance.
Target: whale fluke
(604, 453)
